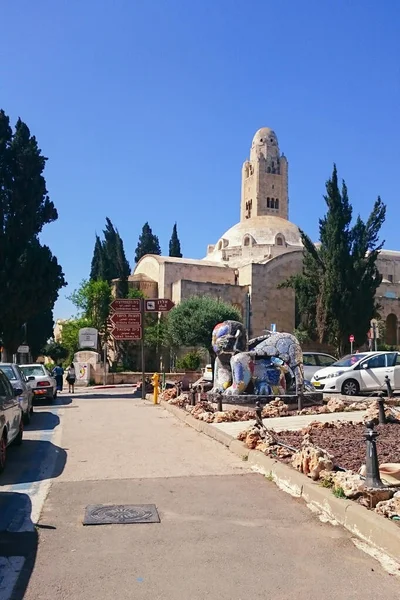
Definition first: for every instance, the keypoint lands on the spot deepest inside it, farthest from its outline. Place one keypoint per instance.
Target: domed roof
(262, 134)
(263, 230)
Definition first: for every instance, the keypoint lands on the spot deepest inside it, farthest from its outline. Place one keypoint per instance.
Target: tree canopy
(39, 329)
(148, 243)
(109, 261)
(191, 322)
(336, 292)
(174, 244)
(92, 299)
(30, 276)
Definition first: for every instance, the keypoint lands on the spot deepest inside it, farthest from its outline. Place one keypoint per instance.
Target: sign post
(142, 354)
(351, 339)
(375, 333)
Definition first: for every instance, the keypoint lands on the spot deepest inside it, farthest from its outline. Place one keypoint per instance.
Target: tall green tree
(39, 329)
(30, 276)
(191, 322)
(337, 289)
(148, 243)
(97, 270)
(174, 244)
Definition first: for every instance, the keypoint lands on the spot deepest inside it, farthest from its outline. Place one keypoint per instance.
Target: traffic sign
(126, 319)
(131, 305)
(127, 333)
(351, 339)
(158, 305)
(23, 349)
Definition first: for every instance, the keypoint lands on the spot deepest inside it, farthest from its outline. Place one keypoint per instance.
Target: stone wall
(232, 294)
(130, 377)
(173, 272)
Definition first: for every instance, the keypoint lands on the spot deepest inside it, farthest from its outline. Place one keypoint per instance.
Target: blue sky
(146, 111)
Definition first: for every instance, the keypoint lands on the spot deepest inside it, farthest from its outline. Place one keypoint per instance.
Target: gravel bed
(347, 443)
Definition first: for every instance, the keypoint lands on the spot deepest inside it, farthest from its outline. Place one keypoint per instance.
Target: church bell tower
(265, 179)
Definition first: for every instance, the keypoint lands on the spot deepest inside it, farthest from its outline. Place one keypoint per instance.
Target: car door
(394, 376)
(26, 391)
(10, 405)
(373, 372)
(310, 365)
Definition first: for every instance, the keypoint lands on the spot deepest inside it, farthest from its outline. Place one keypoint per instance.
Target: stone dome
(263, 134)
(264, 231)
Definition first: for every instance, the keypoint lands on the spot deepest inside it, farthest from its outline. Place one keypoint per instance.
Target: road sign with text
(127, 333)
(125, 305)
(123, 319)
(158, 305)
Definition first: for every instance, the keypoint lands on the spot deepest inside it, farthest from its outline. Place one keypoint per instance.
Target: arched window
(276, 202)
(246, 241)
(272, 203)
(268, 202)
(279, 241)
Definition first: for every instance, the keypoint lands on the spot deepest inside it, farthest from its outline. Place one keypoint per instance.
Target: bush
(190, 362)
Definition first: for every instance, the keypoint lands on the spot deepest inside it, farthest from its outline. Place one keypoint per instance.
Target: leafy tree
(56, 351)
(192, 321)
(190, 362)
(30, 277)
(337, 289)
(70, 334)
(148, 243)
(38, 330)
(93, 299)
(174, 244)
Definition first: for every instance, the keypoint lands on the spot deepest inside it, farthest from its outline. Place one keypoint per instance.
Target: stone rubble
(389, 508)
(311, 460)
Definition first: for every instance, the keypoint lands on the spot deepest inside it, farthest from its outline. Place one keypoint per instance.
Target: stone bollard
(192, 397)
(372, 476)
(381, 406)
(300, 402)
(258, 412)
(388, 387)
(219, 402)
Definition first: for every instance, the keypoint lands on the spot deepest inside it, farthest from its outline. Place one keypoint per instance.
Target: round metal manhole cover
(100, 514)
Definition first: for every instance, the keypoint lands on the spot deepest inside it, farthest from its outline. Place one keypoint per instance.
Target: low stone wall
(136, 377)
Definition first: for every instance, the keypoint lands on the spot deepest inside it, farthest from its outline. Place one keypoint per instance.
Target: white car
(40, 381)
(314, 361)
(360, 372)
(207, 373)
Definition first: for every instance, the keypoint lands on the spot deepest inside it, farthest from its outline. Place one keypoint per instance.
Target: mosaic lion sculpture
(264, 366)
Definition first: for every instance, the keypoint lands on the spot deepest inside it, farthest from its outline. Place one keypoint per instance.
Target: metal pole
(142, 352)
(351, 347)
(372, 476)
(105, 361)
(382, 414)
(374, 336)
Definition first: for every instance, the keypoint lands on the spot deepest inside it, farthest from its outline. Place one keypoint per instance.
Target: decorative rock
(351, 483)
(371, 496)
(311, 460)
(389, 508)
(335, 405)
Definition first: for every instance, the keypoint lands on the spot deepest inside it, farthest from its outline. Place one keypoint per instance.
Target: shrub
(190, 362)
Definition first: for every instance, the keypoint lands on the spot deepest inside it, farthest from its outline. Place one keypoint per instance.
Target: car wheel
(3, 452)
(350, 388)
(18, 439)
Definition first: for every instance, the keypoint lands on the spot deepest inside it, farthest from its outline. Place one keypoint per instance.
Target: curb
(369, 527)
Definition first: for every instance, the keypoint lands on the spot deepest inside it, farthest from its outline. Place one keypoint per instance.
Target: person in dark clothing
(58, 373)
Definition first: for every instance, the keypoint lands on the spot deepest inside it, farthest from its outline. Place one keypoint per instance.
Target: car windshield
(33, 370)
(8, 372)
(349, 360)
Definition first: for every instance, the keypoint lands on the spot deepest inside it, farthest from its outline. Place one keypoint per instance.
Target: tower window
(276, 202)
(246, 241)
(268, 202)
(273, 186)
(390, 278)
(279, 240)
(272, 203)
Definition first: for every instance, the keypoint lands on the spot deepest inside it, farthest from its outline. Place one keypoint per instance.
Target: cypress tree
(97, 266)
(148, 243)
(174, 244)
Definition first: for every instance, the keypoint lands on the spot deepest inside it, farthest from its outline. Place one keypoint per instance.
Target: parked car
(19, 381)
(43, 383)
(314, 361)
(360, 372)
(11, 423)
(207, 373)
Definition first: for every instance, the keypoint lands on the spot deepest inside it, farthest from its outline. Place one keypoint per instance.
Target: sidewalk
(291, 423)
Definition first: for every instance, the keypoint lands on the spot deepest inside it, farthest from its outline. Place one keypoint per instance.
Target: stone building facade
(248, 262)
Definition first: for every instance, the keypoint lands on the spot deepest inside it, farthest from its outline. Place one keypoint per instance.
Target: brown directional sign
(126, 319)
(131, 305)
(127, 333)
(158, 305)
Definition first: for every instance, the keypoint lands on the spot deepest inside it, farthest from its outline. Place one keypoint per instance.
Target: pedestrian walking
(58, 373)
(71, 378)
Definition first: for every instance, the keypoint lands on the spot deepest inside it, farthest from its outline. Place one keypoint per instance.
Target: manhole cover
(101, 514)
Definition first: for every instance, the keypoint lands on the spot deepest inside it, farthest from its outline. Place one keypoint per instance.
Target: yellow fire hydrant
(155, 381)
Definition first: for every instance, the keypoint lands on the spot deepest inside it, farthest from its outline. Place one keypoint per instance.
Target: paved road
(225, 532)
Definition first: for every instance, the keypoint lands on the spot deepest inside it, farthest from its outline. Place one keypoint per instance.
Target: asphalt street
(225, 532)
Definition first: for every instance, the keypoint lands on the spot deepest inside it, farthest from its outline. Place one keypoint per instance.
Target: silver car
(11, 424)
(41, 381)
(314, 361)
(21, 383)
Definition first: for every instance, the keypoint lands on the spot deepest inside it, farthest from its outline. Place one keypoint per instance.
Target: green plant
(91, 382)
(326, 483)
(190, 362)
(270, 476)
(245, 457)
(338, 492)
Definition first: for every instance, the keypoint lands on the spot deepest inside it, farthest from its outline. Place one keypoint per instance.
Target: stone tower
(265, 179)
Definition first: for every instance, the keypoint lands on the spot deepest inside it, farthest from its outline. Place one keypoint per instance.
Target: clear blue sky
(146, 110)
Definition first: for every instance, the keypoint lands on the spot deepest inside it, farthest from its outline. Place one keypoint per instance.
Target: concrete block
(218, 434)
(323, 501)
(238, 448)
(373, 529)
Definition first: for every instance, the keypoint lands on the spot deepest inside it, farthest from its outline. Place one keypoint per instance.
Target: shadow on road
(35, 460)
(59, 401)
(106, 396)
(43, 421)
(18, 543)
